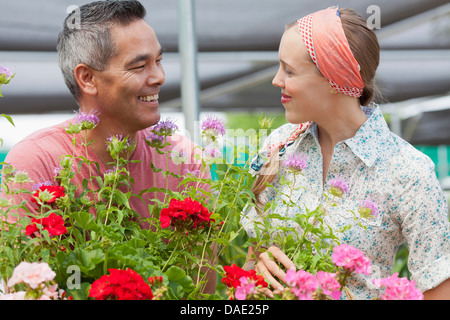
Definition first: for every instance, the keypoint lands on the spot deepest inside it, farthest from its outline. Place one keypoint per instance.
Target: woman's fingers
(281, 257)
(262, 269)
(269, 268)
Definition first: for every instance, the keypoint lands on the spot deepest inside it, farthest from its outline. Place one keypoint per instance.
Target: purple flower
(117, 144)
(5, 76)
(338, 186)
(194, 172)
(38, 185)
(211, 153)
(154, 140)
(119, 138)
(295, 162)
(179, 157)
(6, 72)
(165, 128)
(87, 120)
(212, 127)
(368, 209)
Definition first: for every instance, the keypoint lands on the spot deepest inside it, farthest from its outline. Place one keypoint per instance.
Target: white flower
(33, 274)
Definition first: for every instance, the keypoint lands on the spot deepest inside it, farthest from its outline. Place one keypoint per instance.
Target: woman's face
(305, 93)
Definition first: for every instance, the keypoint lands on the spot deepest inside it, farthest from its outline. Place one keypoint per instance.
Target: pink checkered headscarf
(328, 47)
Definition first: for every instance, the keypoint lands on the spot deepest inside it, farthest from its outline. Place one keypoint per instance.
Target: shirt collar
(369, 137)
(373, 134)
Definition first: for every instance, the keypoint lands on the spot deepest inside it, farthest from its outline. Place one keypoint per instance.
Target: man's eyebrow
(142, 57)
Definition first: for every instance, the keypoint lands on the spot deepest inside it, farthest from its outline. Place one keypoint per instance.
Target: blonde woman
(328, 62)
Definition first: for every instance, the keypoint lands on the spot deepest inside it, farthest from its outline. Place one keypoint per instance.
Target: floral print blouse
(382, 167)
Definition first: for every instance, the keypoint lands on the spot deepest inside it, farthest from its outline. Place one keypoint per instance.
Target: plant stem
(167, 172)
(105, 262)
(88, 162)
(112, 191)
(168, 260)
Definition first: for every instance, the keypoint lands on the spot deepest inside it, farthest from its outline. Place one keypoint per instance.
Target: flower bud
(265, 123)
(21, 177)
(5, 202)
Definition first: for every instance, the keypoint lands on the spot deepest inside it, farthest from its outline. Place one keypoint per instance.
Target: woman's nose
(277, 81)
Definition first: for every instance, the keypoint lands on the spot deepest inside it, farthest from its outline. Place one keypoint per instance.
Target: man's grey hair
(90, 42)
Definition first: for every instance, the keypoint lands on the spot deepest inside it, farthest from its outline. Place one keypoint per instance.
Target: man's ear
(85, 79)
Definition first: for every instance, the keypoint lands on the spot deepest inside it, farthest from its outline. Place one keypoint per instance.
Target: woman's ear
(85, 79)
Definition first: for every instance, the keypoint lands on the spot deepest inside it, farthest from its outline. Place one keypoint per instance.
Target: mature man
(111, 64)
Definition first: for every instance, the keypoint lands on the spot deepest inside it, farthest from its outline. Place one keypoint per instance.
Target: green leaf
(233, 235)
(8, 118)
(86, 260)
(121, 198)
(85, 220)
(179, 282)
(81, 293)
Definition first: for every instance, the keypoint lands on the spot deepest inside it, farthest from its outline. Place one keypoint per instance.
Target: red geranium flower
(185, 214)
(234, 273)
(54, 192)
(121, 285)
(54, 224)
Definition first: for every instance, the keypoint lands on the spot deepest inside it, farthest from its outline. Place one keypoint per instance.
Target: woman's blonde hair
(366, 50)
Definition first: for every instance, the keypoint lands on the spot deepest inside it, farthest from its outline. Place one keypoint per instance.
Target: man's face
(127, 96)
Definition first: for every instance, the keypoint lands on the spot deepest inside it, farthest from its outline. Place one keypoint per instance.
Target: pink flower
(19, 295)
(351, 259)
(398, 288)
(33, 274)
(303, 284)
(330, 286)
(247, 287)
(338, 186)
(295, 162)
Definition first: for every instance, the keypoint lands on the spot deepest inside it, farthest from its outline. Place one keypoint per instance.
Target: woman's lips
(285, 98)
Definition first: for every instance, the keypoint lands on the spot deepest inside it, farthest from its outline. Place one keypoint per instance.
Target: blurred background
(236, 43)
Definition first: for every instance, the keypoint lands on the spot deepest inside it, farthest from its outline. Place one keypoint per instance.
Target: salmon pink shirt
(40, 153)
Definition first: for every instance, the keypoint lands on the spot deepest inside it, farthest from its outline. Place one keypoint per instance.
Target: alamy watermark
(74, 280)
(374, 20)
(74, 19)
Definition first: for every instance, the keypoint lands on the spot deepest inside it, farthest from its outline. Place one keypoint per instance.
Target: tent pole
(189, 74)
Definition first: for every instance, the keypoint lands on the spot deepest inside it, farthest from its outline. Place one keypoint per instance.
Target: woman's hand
(270, 270)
